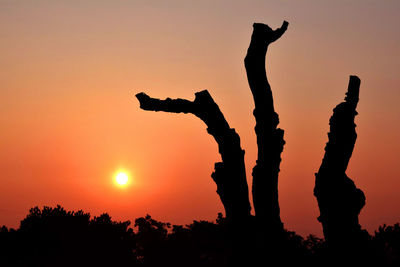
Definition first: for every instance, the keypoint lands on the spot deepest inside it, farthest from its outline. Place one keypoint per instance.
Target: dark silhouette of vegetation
(269, 138)
(387, 244)
(230, 174)
(339, 200)
(262, 237)
(262, 233)
(56, 237)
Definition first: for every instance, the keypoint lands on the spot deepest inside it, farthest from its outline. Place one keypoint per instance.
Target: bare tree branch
(230, 174)
(339, 200)
(269, 138)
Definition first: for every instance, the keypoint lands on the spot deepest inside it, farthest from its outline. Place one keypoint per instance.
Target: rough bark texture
(230, 174)
(269, 138)
(339, 200)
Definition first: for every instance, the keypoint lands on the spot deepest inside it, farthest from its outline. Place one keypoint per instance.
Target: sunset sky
(69, 120)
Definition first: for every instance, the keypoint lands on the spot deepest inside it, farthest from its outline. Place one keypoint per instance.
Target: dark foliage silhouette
(56, 237)
(201, 243)
(387, 244)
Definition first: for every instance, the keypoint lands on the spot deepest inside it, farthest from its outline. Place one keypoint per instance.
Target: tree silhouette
(269, 138)
(338, 198)
(56, 237)
(230, 174)
(387, 244)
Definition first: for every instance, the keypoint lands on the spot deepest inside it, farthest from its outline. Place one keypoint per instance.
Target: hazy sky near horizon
(69, 71)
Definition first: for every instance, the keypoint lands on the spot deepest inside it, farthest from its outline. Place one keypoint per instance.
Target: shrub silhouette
(387, 244)
(56, 237)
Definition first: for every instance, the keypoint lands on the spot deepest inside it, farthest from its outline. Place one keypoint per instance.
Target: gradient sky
(69, 71)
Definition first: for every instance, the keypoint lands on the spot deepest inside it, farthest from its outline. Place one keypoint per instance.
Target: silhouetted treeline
(56, 237)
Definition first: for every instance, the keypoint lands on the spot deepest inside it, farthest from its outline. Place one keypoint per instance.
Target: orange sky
(68, 117)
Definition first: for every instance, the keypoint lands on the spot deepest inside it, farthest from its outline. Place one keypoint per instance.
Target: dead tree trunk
(230, 174)
(269, 138)
(339, 200)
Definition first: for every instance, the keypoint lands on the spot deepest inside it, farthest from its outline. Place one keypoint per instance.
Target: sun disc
(121, 178)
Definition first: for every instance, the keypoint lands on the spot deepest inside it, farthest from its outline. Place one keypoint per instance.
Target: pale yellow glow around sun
(121, 178)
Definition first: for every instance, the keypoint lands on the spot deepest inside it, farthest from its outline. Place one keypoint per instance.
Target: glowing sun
(121, 178)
